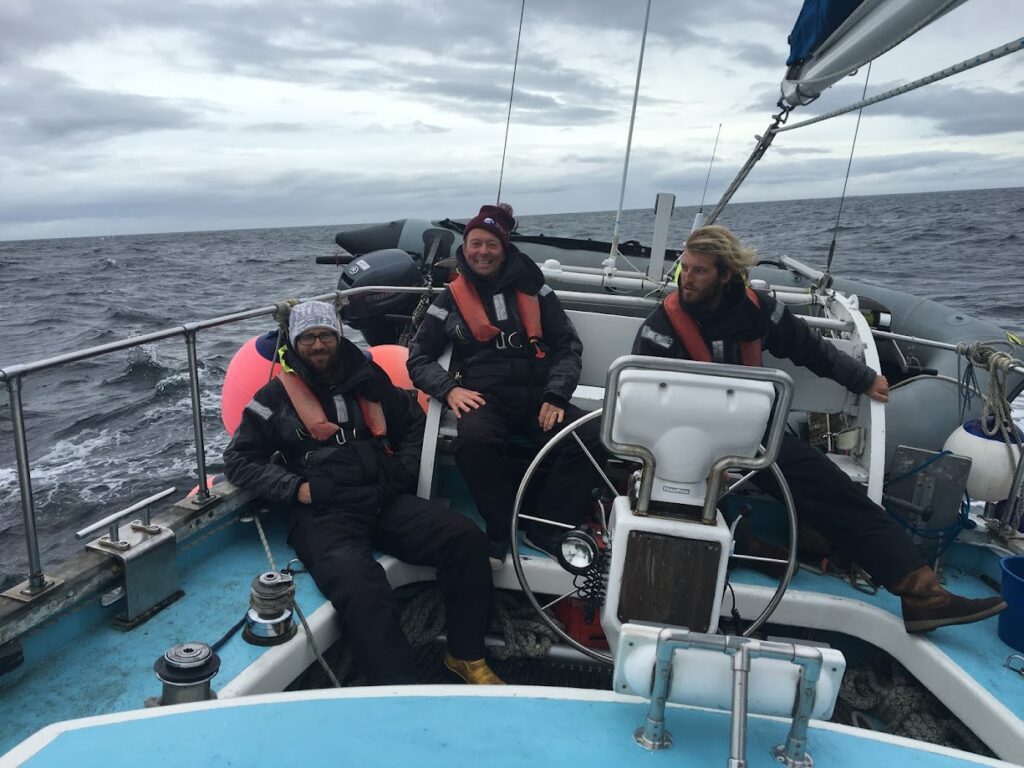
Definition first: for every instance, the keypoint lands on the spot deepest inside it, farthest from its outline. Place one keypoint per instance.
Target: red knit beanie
(496, 219)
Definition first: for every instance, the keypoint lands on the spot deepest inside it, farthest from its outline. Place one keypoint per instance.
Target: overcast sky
(128, 116)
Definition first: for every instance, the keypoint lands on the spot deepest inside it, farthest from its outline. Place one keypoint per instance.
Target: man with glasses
(349, 445)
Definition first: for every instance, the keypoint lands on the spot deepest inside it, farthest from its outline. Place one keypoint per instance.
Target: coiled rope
(997, 412)
(895, 704)
(523, 634)
(295, 605)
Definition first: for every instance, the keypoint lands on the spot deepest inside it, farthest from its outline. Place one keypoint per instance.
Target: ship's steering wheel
(569, 432)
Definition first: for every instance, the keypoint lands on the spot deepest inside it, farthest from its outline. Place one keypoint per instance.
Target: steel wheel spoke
(517, 515)
(560, 599)
(545, 521)
(596, 465)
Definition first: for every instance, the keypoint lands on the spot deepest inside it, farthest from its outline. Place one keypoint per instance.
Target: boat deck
(445, 726)
(81, 666)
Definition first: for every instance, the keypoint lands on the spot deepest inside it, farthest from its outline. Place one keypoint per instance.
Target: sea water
(107, 432)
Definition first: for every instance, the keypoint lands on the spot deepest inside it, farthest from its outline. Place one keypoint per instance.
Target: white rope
(298, 611)
(997, 411)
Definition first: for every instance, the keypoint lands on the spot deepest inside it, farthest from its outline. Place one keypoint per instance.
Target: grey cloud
(466, 45)
(954, 110)
(762, 55)
(545, 95)
(276, 127)
(962, 112)
(420, 127)
(219, 201)
(37, 105)
(573, 157)
(794, 151)
(932, 165)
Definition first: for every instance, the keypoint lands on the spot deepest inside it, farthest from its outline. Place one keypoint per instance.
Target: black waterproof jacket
(504, 366)
(738, 319)
(357, 472)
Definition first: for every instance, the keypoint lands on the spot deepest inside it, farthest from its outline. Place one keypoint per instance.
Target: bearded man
(715, 317)
(349, 445)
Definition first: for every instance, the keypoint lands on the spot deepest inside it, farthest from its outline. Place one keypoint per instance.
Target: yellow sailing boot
(473, 671)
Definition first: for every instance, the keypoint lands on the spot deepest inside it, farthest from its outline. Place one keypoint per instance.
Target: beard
(703, 299)
(326, 365)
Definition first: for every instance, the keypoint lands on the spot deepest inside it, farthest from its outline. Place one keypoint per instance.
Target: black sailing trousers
(482, 456)
(336, 545)
(828, 500)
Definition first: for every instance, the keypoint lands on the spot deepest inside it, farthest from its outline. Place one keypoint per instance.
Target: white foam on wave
(8, 478)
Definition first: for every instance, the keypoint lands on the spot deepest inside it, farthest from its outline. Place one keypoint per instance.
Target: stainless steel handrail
(652, 734)
(780, 380)
(112, 519)
(12, 375)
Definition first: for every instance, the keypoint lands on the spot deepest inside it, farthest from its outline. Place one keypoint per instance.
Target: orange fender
(393, 359)
(248, 370)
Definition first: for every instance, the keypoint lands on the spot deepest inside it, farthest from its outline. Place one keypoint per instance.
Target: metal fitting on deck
(186, 671)
(270, 619)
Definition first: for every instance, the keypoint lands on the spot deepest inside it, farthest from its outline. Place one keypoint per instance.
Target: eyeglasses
(324, 337)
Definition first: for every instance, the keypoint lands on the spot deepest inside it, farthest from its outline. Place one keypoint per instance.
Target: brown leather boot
(927, 605)
(474, 671)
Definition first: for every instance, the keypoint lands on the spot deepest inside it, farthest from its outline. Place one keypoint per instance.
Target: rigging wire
(511, 94)
(613, 255)
(764, 141)
(711, 164)
(778, 122)
(975, 61)
(826, 279)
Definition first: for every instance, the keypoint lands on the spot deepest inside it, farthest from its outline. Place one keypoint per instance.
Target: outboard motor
(380, 315)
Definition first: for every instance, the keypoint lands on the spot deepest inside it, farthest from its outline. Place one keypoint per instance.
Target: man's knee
(346, 579)
(478, 432)
(468, 536)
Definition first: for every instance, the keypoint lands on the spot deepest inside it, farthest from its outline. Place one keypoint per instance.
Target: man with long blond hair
(715, 317)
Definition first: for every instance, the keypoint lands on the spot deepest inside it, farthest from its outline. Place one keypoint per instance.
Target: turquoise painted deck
(81, 667)
(976, 648)
(106, 670)
(450, 731)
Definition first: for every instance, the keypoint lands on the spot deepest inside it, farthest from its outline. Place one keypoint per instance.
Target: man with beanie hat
(350, 445)
(715, 317)
(517, 362)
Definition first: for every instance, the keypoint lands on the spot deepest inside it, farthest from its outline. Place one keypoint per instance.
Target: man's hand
(549, 416)
(462, 400)
(879, 389)
(303, 494)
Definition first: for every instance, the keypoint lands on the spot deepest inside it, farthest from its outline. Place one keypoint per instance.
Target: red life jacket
(311, 412)
(472, 310)
(689, 334)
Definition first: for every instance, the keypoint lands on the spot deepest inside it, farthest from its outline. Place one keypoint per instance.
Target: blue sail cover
(817, 20)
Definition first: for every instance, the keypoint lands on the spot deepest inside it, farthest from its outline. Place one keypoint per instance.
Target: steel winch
(270, 618)
(185, 671)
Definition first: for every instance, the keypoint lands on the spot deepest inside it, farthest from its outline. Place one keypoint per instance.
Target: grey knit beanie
(312, 314)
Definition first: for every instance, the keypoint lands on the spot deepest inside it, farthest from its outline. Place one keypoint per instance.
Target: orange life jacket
(472, 310)
(689, 334)
(311, 412)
